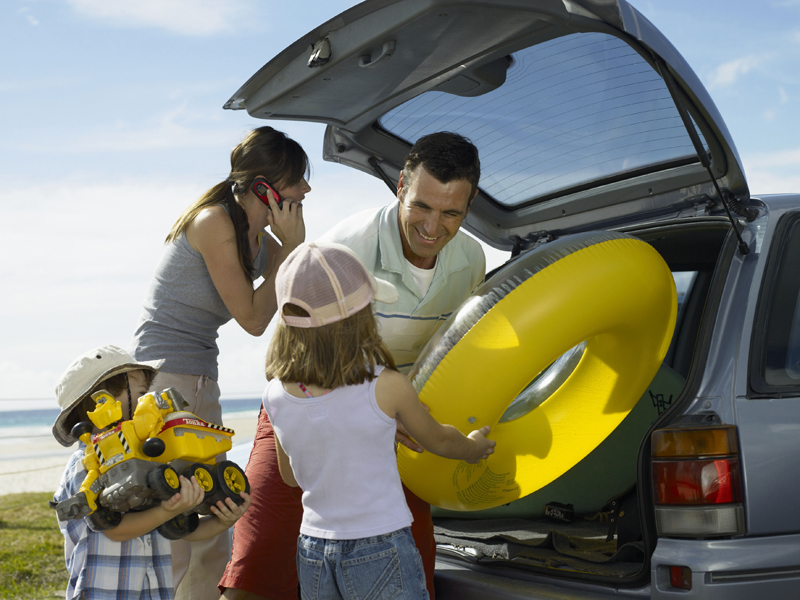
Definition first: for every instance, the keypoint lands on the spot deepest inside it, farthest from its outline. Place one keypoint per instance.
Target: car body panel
(769, 428)
(738, 569)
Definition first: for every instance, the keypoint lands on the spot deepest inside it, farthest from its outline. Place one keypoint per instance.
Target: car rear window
(574, 110)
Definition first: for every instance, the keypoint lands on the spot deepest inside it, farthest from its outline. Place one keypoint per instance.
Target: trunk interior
(587, 522)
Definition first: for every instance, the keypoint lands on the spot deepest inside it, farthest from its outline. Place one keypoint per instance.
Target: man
(415, 244)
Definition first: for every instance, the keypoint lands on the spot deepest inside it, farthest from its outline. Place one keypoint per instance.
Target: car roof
(564, 98)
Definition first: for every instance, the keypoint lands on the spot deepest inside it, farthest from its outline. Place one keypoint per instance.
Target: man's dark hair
(447, 156)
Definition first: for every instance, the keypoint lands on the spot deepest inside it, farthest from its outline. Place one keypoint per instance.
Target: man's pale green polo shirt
(407, 325)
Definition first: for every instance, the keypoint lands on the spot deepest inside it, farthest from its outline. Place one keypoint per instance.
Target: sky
(111, 124)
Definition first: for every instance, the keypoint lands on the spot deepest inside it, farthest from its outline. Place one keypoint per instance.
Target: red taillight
(680, 577)
(721, 485)
(696, 482)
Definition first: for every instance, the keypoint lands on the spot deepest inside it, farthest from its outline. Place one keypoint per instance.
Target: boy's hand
(485, 447)
(228, 512)
(191, 495)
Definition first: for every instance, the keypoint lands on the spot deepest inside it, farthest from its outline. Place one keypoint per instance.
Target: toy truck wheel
(104, 518)
(180, 526)
(204, 475)
(232, 481)
(164, 482)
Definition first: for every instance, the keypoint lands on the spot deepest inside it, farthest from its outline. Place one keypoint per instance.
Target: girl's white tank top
(341, 448)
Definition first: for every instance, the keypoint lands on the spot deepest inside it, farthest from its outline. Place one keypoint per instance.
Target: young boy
(131, 560)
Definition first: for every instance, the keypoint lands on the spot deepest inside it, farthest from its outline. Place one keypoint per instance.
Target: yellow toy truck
(134, 464)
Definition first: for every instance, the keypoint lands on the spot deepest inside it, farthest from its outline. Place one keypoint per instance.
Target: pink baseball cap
(330, 282)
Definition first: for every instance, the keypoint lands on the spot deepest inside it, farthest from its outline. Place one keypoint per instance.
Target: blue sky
(112, 123)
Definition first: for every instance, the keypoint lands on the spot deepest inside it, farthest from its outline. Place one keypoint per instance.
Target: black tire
(103, 519)
(164, 482)
(180, 526)
(231, 481)
(205, 477)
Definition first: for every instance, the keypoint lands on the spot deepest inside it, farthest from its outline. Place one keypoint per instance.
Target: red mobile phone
(260, 187)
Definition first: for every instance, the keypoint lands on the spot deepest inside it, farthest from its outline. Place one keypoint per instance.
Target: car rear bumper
(743, 568)
(456, 581)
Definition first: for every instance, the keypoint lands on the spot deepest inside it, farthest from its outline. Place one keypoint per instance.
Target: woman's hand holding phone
(287, 222)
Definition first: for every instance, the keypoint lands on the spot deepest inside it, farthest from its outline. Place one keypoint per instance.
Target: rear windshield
(578, 109)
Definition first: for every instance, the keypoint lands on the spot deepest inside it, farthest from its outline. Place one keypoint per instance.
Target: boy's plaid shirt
(103, 569)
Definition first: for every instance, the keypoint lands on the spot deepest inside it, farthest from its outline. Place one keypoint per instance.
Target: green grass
(31, 548)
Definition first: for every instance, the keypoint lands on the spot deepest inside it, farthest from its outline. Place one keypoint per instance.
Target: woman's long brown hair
(264, 152)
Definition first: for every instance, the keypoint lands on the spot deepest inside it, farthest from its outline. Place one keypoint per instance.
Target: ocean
(17, 425)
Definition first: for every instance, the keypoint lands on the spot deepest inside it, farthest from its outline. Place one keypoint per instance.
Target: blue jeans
(383, 567)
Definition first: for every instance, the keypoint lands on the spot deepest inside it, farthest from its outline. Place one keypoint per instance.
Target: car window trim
(788, 226)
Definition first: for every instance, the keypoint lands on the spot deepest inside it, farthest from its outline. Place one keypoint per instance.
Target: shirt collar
(391, 246)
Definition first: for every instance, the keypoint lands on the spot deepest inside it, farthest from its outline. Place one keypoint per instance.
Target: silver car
(588, 119)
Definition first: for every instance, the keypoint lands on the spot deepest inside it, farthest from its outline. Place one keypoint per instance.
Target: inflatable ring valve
(610, 290)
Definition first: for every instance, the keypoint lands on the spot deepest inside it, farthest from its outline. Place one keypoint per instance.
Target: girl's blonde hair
(331, 356)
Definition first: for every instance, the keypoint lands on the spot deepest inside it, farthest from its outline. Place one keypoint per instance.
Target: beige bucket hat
(87, 371)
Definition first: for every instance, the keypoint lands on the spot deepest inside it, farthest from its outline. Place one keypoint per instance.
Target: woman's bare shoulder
(211, 216)
(211, 225)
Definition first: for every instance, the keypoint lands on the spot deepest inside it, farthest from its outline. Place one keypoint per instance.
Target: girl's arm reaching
(397, 398)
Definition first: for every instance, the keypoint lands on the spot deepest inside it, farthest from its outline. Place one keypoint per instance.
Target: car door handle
(387, 50)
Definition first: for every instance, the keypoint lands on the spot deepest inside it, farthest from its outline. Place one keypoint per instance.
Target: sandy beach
(37, 465)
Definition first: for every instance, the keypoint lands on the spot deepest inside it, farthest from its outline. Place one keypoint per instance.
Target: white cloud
(187, 17)
(728, 73)
(177, 128)
(97, 242)
(781, 158)
(768, 182)
(773, 172)
(769, 115)
(783, 97)
(25, 12)
(18, 379)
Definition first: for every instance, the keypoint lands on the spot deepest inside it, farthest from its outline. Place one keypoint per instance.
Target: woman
(215, 251)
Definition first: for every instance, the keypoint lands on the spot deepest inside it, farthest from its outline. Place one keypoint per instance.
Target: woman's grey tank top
(183, 311)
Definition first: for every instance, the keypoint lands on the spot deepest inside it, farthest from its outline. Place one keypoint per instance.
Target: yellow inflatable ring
(612, 291)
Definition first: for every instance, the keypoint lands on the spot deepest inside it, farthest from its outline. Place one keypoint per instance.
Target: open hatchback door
(565, 99)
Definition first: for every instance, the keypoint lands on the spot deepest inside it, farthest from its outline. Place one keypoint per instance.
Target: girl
(333, 398)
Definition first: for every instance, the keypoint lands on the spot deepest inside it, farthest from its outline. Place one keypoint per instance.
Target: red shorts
(263, 560)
